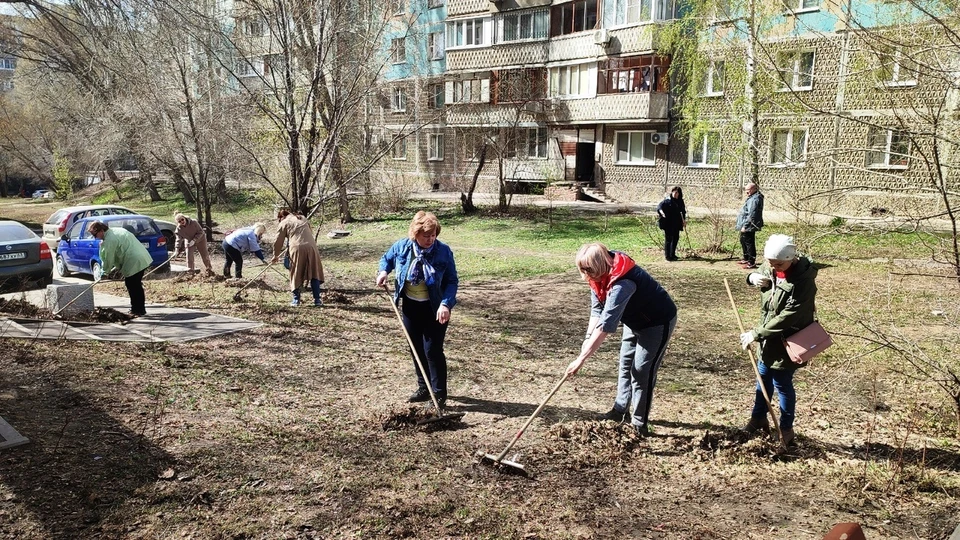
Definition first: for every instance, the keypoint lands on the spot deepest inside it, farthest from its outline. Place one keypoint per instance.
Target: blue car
(79, 252)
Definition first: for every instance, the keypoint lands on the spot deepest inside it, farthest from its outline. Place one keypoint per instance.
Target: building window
(399, 149)
(398, 100)
(713, 78)
(6, 85)
(434, 4)
(397, 6)
(634, 148)
(520, 85)
(632, 74)
(435, 45)
(888, 149)
(573, 81)
(536, 142)
(467, 91)
(705, 150)
(519, 26)
(801, 5)
(253, 27)
(796, 70)
(896, 69)
(571, 17)
(639, 11)
(8, 64)
(466, 33)
(435, 146)
(435, 96)
(398, 51)
(249, 67)
(788, 147)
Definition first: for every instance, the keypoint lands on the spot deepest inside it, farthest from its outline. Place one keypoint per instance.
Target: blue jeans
(641, 353)
(782, 380)
(427, 335)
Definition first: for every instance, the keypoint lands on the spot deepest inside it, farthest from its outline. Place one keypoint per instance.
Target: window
(249, 67)
(896, 69)
(398, 100)
(435, 96)
(516, 26)
(634, 148)
(399, 149)
(6, 85)
(8, 64)
(571, 17)
(796, 70)
(801, 5)
(573, 81)
(435, 45)
(252, 27)
(705, 150)
(888, 149)
(639, 11)
(713, 78)
(435, 146)
(398, 50)
(397, 6)
(466, 33)
(434, 4)
(632, 74)
(536, 142)
(520, 85)
(467, 91)
(788, 147)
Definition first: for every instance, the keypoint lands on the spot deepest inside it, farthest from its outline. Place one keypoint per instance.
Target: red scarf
(622, 263)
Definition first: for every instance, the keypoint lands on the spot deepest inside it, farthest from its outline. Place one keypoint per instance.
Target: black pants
(671, 238)
(748, 242)
(138, 298)
(233, 255)
(427, 335)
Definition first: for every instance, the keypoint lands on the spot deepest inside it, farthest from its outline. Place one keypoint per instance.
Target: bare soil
(300, 429)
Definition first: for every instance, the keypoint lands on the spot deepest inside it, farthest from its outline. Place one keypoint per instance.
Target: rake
(266, 267)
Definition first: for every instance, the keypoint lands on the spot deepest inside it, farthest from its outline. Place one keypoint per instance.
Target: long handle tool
(266, 267)
(513, 465)
(159, 266)
(441, 418)
(753, 363)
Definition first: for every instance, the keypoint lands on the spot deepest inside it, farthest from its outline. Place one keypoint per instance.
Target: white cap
(780, 247)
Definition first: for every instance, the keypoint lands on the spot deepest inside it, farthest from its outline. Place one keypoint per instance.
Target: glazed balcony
(635, 107)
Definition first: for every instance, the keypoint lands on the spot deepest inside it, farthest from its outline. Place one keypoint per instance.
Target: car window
(76, 230)
(100, 212)
(58, 216)
(123, 211)
(14, 231)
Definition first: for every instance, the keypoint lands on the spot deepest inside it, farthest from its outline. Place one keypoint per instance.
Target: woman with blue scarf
(426, 290)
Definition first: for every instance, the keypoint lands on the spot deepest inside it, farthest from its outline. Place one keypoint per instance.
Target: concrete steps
(598, 195)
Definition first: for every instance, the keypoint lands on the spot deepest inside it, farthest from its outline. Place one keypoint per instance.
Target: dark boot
(422, 394)
(619, 417)
(757, 424)
(296, 298)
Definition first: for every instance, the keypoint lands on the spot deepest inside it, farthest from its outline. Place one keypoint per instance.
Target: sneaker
(317, 302)
(757, 424)
(421, 395)
(641, 431)
(295, 302)
(742, 261)
(619, 417)
(749, 266)
(442, 402)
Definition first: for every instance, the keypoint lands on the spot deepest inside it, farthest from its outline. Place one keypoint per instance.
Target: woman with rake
(305, 264)
(622, 292)
(426, 289)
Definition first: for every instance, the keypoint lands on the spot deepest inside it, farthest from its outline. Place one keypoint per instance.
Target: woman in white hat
(788, 291)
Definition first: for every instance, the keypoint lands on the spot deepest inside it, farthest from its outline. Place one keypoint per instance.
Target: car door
(88, 247)
(69, 251)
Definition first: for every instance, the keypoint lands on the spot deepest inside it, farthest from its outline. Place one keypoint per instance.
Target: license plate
(13, 256)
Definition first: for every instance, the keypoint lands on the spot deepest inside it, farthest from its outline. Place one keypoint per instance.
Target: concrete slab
(9, 436)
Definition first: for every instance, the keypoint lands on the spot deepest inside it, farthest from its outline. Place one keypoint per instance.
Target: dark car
(60, 221)
(24, 257)
(79, 252)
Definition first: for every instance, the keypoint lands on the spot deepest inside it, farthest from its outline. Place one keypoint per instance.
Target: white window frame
(530, 25)
(630, 12)
(399, 6)
(789, 65)
(253, 26)
(249, 67)
(431, 4)
(436, 95)
(467, 91)
(536, 143)
(788, 159)
(801, 6)
(472, 32)
(6, 84)
(434, 146)
(398, 100)
(710, 78)
(398, 50)
(560, 81)
(898, 67)
(399, 149)
(887, 149)
(702, 143)
(435, 48)
(644, 160)
(8, 64)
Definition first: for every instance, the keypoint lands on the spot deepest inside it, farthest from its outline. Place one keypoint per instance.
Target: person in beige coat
(305, 264)
(190, 236)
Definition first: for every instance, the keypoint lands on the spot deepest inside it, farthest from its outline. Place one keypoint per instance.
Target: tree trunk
(147, 178)
(335, 168)
(114, 179)
(184, 187)
(466, 200)
(502, 199)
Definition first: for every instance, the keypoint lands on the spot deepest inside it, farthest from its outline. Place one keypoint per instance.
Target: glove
(746, 339)
(191, 243)
(758, 280)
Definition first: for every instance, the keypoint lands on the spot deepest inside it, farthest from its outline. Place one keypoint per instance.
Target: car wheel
(171, 240)
(96, 270)
(62, 267)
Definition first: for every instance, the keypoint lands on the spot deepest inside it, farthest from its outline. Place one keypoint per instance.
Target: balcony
(633, 107)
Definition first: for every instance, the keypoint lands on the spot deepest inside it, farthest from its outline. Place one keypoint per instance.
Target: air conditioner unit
(601, 36)
(660, 137)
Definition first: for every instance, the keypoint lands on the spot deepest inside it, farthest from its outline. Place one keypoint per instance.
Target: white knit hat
(780, 247)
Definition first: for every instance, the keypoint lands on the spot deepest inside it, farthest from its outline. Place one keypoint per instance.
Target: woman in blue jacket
(426, 290)
(239, 241)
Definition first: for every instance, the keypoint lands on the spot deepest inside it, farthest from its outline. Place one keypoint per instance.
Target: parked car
(79, 251)
(62, 220)
(43, 194)
(24, 257)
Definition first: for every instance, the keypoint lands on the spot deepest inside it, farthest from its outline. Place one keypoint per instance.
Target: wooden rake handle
(753, 362)
(423, 371)
(535, 414)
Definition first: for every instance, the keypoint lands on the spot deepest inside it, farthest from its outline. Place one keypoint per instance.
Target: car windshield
(14, 231)
(138, 226)
(58, 216)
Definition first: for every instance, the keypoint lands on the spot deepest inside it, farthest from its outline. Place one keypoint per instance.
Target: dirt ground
(299, 429)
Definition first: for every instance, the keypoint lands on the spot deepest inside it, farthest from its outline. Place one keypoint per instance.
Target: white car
(61, 220)
(43, 194)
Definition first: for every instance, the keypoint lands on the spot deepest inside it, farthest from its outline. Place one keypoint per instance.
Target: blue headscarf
(421, 270)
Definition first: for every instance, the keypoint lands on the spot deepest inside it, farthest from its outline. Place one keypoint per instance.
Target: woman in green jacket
(121, 251)
(787, 305)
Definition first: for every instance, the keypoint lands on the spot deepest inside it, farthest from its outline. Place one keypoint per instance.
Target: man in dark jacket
(749, 221)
